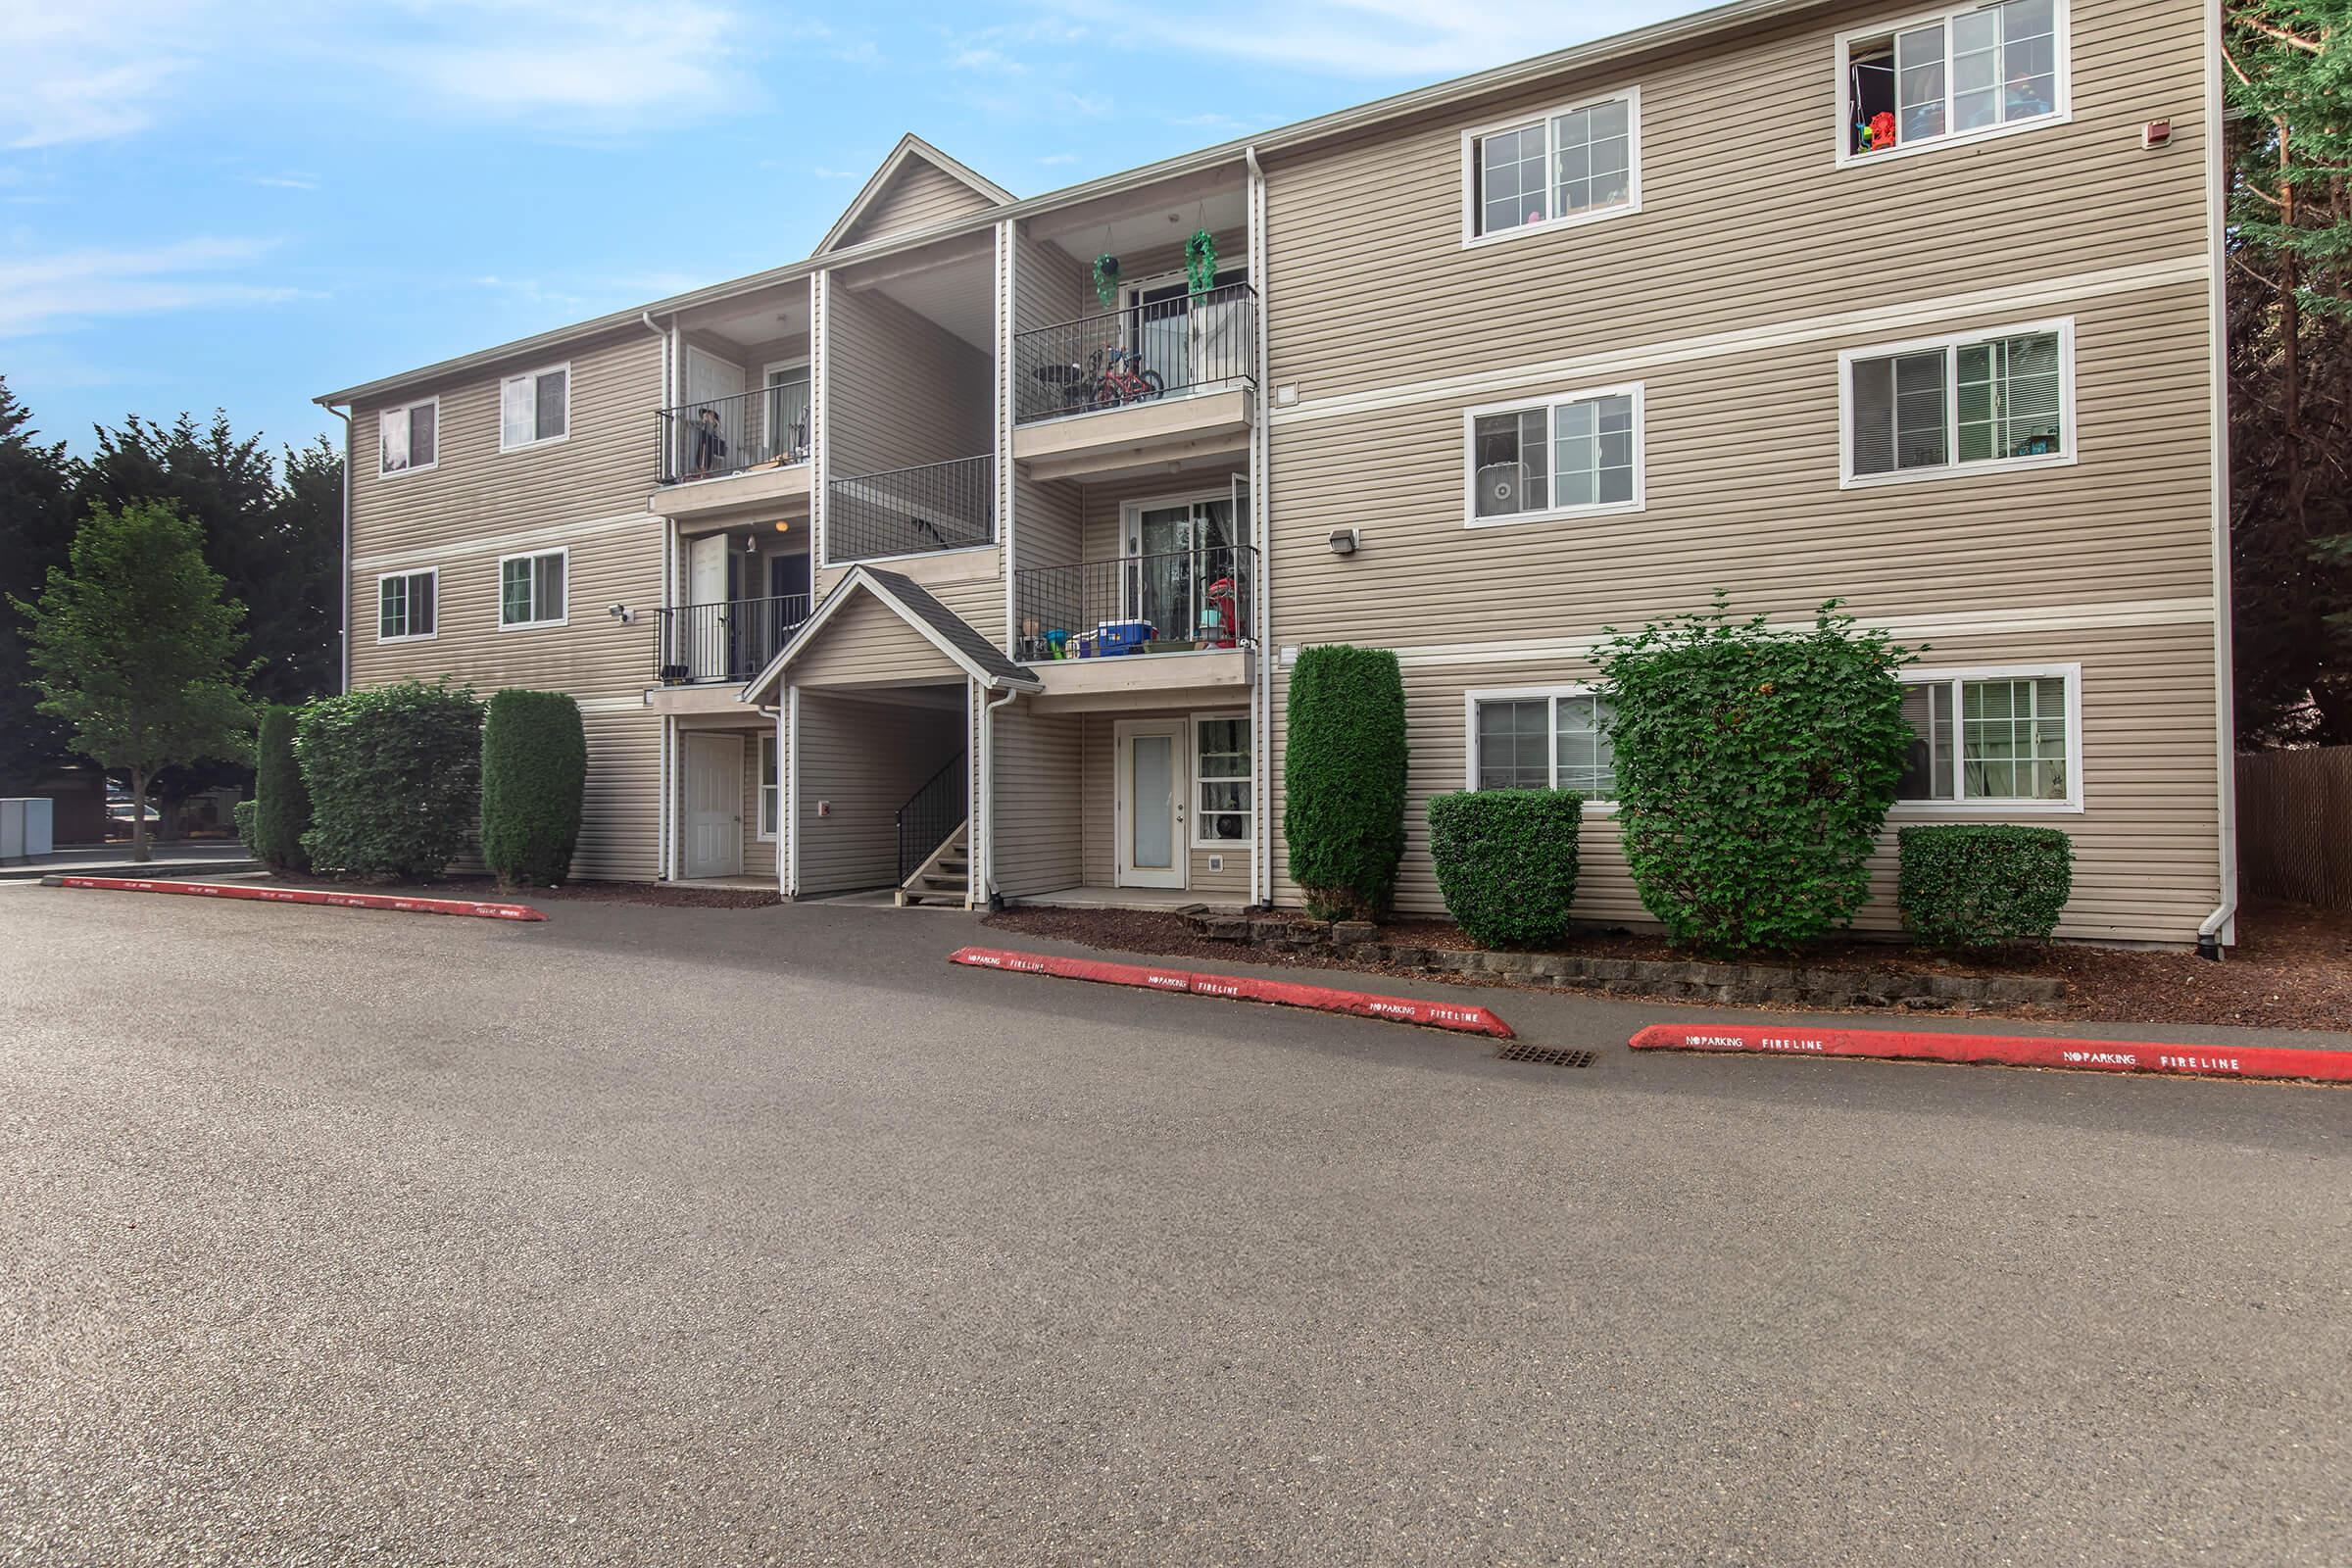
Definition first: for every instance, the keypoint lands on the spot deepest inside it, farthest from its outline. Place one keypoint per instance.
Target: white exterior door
(713, 815)
(706, 627)
(1148, 815)
(709, 445)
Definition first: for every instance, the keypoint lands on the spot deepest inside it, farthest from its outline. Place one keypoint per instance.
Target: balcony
(1097, 626)
(1161, 380)
(727, 643)
(745, 450)
(911, 512)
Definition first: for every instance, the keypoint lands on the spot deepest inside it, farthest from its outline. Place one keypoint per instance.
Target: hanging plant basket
(1107, 278)
(1200, 260)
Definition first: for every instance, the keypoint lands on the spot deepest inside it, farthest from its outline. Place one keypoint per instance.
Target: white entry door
(714, 815)
(1149, 812)
(705, 615)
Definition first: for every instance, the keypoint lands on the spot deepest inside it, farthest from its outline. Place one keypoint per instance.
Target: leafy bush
(1754, 769)
(242, 815)
(281, 804)
(1979, 884)
(534, 783)
(1343, 780)
(393, 774)
(1506, 862)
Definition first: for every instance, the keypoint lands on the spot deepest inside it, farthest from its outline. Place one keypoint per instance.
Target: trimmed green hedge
(394, 777)
(1506, 861)
(1343, 780)
(282, 813)
(242, 815)
(534, 785)
(1981, 884)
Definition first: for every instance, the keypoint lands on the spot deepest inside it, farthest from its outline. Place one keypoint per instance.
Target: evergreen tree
(35, 535)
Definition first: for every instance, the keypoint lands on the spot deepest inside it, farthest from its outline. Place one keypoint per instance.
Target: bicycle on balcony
(1119, 377)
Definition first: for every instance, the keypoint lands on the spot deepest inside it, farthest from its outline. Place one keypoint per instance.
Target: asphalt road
(684, 1236)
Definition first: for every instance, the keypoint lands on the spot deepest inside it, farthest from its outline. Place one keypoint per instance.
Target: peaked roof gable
(913, 161)
(949, 632)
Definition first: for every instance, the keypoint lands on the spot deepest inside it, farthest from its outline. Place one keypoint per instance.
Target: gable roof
(949, 632)
(910, 149)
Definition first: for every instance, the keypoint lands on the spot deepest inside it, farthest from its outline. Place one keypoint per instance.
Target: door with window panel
(1174, 553)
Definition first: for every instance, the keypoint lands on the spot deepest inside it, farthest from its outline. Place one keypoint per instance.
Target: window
(1581, 162)
(1973, 402)
(534, 408)
(1541, 740)
(407, 437)
(1580, 454)
(1963, 75)
(530, 590)
(405, 605)
(770, 789)
(1221, 811)
(1996, 735)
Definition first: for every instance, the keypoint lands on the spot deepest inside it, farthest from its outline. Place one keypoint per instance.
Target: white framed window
(770, 791)
(534, 408)
(2003, 736)
(406, 604)
(409, 437)
(1553, 169)
(1224, 815)
(1541, 738)
(1949, 77)
(531, 589)
(1576, 454)
(1971, 402)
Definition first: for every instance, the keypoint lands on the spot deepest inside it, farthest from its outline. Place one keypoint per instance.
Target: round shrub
(1343, 780)
(1981, 884)
(1754, 769)
(534, 785)
(282, 813)
(1506, 862)
(393, 774)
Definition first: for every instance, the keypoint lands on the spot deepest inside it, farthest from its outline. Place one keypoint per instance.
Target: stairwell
(946, 877)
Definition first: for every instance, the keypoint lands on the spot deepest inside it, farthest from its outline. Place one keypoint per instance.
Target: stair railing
(930, 816)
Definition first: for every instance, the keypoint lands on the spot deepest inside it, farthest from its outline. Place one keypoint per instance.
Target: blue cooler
(1121, 636)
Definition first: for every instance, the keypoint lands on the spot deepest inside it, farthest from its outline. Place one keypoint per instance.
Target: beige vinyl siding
(866, 643)
(1104, 501)
(1046, 526)
(1100, 770)
(1151, 264)
(1037, 775)
(1746, 216)
(2147, 861)
(919, 195)
(865, 758)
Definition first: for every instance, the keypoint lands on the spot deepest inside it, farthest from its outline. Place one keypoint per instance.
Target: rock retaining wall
(1684, 980)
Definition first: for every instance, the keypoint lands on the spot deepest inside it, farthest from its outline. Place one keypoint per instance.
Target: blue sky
(243, 205)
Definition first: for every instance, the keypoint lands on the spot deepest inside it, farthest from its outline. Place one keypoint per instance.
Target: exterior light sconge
(783, 528)
(622, 614)
(1344, 541)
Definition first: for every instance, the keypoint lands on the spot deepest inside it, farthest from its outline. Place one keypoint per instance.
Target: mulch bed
(658, 894)
(2291, 969)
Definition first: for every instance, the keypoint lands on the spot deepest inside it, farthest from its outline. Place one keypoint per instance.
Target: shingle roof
(981, 658)
(954, 627)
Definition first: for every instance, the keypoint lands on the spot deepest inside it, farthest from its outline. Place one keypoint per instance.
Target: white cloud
(1412, 39)
(284, 182)
(73, 74)
(1053, 160)
(605, 61)
(823, 173)
(59, 289)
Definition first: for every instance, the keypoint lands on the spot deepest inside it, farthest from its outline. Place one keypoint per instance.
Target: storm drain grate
(1544, 1055)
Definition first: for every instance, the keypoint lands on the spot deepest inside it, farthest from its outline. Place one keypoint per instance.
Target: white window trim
(1601, 509)
(498, 586)
(433, 573)
(2001, 805)
(766, 743)
(1193, 767)
(1472, 238)
(1521, 694)
(532, 376)
(408, 409)
(2070, 440)
(2062, 111)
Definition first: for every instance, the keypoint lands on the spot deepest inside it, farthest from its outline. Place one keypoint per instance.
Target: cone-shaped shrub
(534, 783)
(1343, 780)
(281, 804)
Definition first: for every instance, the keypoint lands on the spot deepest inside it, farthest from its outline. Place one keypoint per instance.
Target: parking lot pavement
(766, 1235)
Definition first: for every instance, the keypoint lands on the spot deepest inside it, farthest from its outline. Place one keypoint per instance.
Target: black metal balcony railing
(717, 436)
(1191, 343)
(932, 814)
(731, 641)
(1183, 601)
(906, 511)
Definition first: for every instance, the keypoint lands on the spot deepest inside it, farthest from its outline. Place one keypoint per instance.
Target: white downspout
(2219, 925)
(1262, 854)
(987, 835)
(345, 618)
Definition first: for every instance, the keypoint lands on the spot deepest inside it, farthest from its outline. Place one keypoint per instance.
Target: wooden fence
(2295, 825)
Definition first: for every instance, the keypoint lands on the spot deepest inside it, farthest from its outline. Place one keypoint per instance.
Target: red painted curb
(348, 901)
(1247, 988)
(2015, 1050)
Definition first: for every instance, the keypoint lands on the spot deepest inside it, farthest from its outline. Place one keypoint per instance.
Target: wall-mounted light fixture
(622, 612)
(1344, 541)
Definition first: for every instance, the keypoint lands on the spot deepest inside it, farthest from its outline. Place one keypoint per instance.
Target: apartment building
(969, 555)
